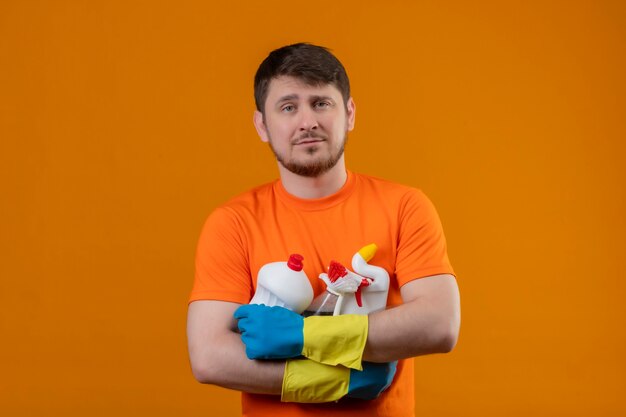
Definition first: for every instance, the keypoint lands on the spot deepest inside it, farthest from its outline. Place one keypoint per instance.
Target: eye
(322, 104)
(288, 108)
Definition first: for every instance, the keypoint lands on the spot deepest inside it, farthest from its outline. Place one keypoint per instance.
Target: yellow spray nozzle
(368, 252)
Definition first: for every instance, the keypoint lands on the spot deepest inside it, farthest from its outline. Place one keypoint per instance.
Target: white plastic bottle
(284, 284)
(374, 296)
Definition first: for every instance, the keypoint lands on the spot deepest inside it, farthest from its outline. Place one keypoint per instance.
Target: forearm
(218, 356)
(228, 367)
(428, 322)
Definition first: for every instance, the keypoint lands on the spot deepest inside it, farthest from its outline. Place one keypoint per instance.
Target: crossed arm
(427, 322)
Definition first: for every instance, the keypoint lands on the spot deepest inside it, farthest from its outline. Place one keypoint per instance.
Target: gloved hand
(270, 332)
(372, 381)
(278, 333)
(306, 381)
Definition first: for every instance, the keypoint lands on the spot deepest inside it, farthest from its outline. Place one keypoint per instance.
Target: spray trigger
(364, 283)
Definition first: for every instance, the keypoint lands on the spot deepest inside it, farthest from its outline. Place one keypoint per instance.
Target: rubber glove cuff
(336, 340)
(306, 381)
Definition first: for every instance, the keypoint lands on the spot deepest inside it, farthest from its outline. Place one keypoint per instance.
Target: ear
(259, 125)
(350, 112)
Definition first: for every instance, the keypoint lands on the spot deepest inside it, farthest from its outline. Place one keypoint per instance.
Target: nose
(308, 120)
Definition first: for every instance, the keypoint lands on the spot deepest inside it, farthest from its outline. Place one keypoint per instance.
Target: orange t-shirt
(267, 224)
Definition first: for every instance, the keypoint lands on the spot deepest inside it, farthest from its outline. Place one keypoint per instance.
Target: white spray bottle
(361, 292)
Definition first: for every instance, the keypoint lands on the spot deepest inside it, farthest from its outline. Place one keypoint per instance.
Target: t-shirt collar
(316, 203)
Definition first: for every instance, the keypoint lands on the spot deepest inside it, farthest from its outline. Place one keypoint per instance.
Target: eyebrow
(289, 97)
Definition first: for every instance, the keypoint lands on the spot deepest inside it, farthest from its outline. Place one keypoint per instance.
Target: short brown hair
(313, 64)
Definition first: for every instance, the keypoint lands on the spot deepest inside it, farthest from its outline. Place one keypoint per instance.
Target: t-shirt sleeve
(422, 247)
(222, 271)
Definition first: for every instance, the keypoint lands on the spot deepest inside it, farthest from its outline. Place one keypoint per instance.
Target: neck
(314, 187)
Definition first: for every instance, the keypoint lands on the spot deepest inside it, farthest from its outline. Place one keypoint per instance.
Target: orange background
(123, 124)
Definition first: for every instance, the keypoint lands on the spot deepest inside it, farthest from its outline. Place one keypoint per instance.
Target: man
(323, 212)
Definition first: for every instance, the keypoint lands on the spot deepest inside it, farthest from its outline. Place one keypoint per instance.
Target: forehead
(285, 86)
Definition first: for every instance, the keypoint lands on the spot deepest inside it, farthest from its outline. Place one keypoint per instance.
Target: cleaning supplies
(338, 281)
(374, 295)
(284, 284)
(361, 292)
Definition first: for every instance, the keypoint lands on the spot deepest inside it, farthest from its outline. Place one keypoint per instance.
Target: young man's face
(306, 126)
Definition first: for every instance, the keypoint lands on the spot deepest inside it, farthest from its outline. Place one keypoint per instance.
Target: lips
(309, 138)
(309, 141)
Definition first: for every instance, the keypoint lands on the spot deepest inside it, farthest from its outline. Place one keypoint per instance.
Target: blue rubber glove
(369, 383)
(278, 333)
(270, 332)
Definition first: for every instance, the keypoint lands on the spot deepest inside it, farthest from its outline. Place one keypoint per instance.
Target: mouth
(308, 139)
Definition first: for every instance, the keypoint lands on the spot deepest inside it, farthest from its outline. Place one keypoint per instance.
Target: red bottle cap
(295, 262)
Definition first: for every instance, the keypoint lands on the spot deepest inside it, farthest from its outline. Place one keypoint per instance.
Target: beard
(314, 167)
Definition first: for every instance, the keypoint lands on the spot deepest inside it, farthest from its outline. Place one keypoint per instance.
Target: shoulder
(407, 202)
(240, 209)
(390, 190)
(250, 200)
